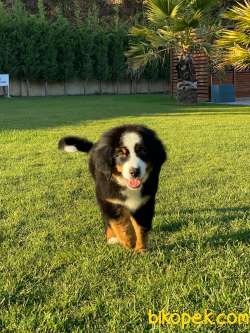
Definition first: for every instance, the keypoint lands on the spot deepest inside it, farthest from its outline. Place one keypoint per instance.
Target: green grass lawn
(56, 272)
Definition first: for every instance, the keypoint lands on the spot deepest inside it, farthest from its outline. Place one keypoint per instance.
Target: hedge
(35, 49)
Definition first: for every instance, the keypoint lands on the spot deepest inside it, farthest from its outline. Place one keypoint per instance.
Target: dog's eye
(123, 151)
(141, 150)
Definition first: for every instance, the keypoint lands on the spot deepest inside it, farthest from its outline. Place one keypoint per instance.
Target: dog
(125, 165)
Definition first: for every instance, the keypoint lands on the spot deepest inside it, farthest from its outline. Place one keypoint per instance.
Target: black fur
(102, 164)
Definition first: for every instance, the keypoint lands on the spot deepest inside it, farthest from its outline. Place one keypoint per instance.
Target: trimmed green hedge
(34, 49)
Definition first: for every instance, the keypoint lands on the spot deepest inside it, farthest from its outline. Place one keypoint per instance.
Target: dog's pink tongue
(134, 182)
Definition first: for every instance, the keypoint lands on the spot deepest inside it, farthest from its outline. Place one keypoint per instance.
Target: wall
(77, 87)
(241, 81)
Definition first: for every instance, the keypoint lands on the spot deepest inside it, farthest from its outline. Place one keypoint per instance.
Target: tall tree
(117, 61)
(100, 58)
(235, 44)
(83, 47)
(180, 26)
(64, 48)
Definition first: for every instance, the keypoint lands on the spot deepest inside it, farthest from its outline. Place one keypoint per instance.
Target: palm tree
(235, 44)
(180, 26)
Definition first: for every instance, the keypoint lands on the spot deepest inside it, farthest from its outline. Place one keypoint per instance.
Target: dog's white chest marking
(134, 200)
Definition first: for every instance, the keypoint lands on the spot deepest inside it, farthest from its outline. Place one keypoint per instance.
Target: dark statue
(185, 68)
(187, 84)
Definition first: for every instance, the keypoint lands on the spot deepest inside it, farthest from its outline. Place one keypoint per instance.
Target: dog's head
(129, 153)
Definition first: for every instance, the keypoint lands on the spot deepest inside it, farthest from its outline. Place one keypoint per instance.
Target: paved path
(239, 101)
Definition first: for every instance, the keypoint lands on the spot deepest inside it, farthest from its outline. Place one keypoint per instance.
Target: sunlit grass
(58, 274)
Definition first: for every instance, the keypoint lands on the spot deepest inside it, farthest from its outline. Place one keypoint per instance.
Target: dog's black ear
(159, 151)
(104, 159)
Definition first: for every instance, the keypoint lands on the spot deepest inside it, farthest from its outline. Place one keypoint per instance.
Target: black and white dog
(125, 164)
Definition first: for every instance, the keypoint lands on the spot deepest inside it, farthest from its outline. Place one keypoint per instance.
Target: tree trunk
(187, 85)
(27, 87)
(46, 88)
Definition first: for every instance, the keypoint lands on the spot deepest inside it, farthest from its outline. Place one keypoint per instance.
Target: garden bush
(33, 48)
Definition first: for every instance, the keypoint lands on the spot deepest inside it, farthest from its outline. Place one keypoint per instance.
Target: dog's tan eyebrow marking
(122, 150)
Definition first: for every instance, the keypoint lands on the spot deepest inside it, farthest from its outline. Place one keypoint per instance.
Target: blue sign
(5, 82)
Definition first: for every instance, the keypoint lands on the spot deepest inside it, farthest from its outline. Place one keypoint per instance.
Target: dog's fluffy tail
(71, 144)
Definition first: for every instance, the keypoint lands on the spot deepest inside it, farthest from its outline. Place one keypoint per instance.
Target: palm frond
(167, 35)
(238, 56)
(208, 33)
(202, 5)
(191, 22)
(137, 56)
(173, 24)
(153, 37)
(235, 44)
(230, 37)
(195, 19)
(140, 54)
(159, 11)
(140, 31)
(146, 50)
(241, 14)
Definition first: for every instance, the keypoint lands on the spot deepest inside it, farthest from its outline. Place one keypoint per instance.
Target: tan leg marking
(111, 238)
(124, 231)
(141, 236)
(109, 233)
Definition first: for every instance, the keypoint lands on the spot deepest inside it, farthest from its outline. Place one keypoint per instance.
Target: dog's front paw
(141, 250)
(112, 240)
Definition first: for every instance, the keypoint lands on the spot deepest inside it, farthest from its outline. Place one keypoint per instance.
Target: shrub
(32, 48)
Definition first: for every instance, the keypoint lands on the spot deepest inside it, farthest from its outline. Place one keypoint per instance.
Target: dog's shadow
(170, 227)
(225, 216)
(242, 236)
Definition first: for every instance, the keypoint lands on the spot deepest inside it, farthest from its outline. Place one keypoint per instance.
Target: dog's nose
(134, 172)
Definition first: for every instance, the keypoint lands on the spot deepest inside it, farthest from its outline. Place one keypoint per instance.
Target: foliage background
(35, 47)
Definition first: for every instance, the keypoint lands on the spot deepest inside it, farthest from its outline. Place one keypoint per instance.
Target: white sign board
(5, 82)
